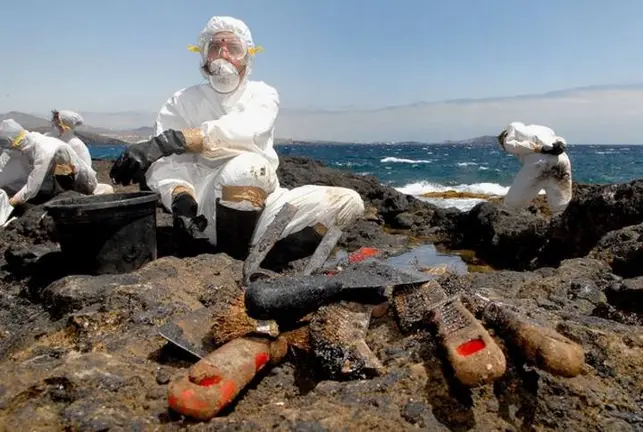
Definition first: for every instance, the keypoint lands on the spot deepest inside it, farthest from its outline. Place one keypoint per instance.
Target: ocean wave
(400, 160)
(349, 164)
(419, 188)
(462, 204)
(462, 164)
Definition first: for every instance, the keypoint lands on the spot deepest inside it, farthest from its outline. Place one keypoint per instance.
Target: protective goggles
(227, 45)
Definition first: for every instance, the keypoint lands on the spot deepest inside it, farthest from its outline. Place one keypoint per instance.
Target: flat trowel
(295, 296)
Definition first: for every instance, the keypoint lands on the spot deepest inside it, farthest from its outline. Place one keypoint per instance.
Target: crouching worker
(34, 165)
(545, 165)
(213, 161)
(63, 125)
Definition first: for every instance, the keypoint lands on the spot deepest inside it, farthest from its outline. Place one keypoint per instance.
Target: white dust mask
(224, 76)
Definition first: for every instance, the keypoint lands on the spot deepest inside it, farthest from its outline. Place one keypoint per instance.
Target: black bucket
(100, 234)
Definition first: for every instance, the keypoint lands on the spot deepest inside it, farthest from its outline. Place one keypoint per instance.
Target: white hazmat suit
(533, 145)
(238, 162)
(28, 159)
(63, 125)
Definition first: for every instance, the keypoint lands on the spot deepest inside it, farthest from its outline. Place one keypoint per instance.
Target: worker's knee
(347, 205)
(249, 169)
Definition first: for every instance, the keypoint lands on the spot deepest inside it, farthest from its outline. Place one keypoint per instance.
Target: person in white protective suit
(545, 165)
(213, 161)
(33, 164)
(63, 125)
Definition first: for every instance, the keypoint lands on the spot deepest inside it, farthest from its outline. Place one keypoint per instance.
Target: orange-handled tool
(216, 380)
(472, 353)
(542, 347)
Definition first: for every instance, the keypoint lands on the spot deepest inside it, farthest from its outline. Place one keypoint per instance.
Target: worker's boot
(184, 214)
(295, 246)
(237, 214)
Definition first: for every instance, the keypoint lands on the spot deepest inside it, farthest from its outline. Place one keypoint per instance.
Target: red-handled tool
(471, 352)
(216, 380)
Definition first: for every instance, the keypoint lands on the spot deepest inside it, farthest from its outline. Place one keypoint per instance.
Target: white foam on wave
(463, 164)
(462, 204)
(422, 187)
(349, 164)
(417, 189)
(401, 160)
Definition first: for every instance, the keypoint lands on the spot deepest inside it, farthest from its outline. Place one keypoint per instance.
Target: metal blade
(189, 332)
(268, 239)
(377, 273)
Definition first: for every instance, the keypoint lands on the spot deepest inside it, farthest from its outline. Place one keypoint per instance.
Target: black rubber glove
(131, 165)
(557, 148)
(501, 138)
(184, 215)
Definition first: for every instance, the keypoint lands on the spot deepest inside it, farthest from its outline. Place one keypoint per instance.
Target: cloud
(596, 115)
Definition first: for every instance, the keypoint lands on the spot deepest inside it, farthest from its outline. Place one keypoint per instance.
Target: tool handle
(216, 380)
(474, 356)
(541, 346)
(289, 297)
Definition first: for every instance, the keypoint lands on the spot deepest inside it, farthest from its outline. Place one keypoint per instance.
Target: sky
(131, 55)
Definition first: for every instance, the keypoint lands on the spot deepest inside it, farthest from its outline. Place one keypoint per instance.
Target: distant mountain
(142, 131)
(90, 135)
(27, 121)
(89, 138)
(481, 140)
(125, 121)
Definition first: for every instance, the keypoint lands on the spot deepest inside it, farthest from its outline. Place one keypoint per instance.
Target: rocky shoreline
(83, 353)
